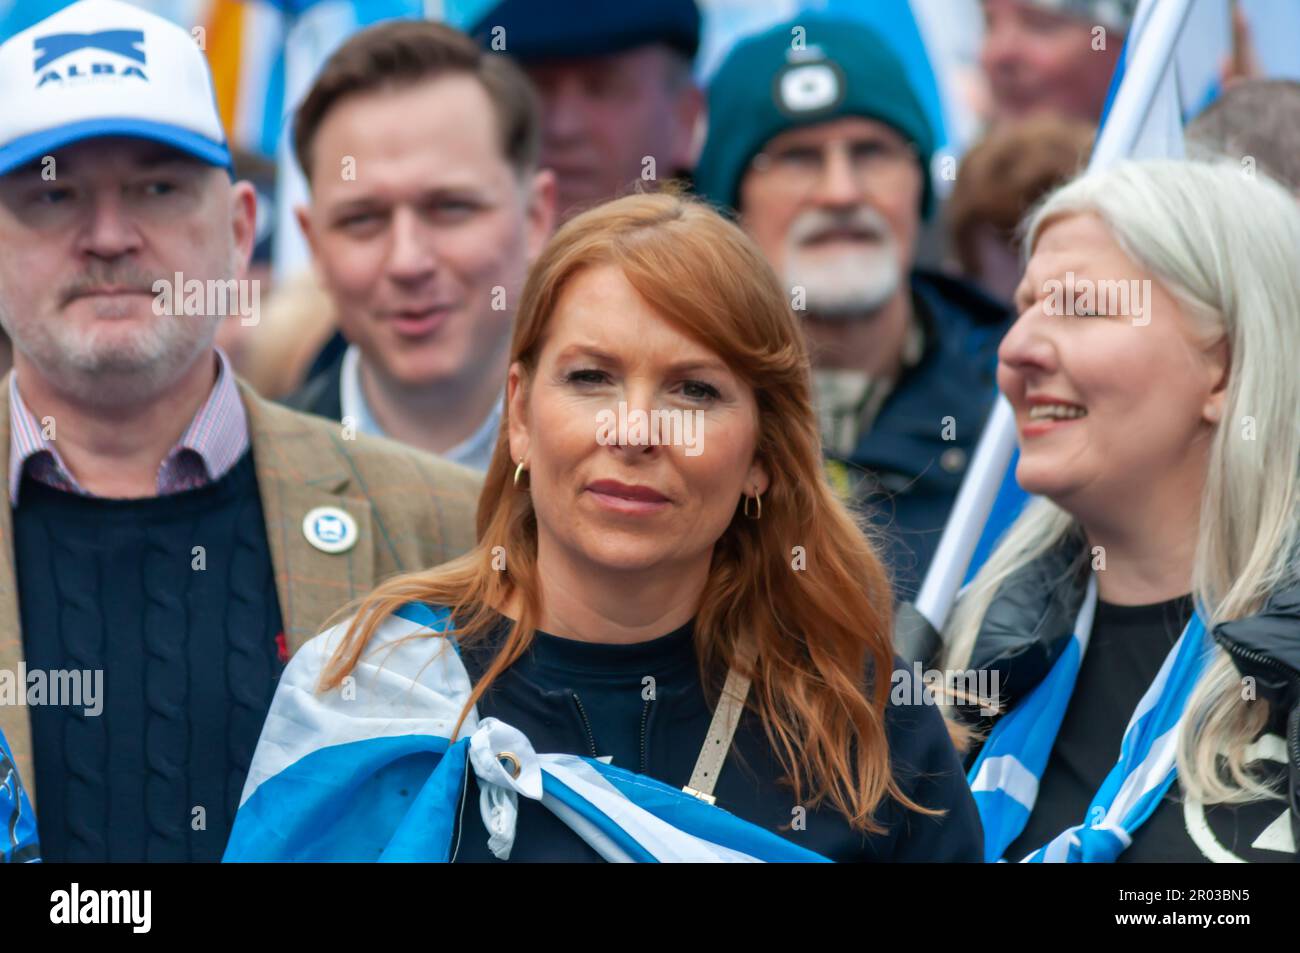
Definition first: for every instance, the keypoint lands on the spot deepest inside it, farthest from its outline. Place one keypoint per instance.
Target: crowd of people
(248, 567)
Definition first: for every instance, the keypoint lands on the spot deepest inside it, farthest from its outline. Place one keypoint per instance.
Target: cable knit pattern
(188, 659)
(165, 632)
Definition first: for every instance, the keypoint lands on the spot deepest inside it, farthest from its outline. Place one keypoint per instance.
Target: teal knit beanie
(808, 71)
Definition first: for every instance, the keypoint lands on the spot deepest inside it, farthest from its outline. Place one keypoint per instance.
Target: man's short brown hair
(400, 53)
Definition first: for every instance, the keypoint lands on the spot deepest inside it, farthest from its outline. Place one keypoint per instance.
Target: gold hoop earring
(757, 498)
(519, 471)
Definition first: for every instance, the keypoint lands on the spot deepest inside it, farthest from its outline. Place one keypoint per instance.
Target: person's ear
(517, 411)
(303, 214)
(757, 480)
(243, 206)
(542, 197)
(689, 113)
(1218, 363)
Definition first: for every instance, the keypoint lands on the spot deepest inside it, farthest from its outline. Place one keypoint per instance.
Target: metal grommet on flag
(510, 762)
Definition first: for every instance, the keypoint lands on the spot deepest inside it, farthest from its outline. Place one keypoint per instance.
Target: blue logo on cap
(128, 44)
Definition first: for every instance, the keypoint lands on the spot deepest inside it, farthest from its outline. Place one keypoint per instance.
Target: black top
(643, 704)
(1127, 648)
(176, 651)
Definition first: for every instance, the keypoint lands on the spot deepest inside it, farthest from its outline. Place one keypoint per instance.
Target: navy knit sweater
(593, 699)
(187, 643)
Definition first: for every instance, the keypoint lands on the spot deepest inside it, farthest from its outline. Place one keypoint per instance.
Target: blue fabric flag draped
(1004, 779)
(369, 771)
(18, 838)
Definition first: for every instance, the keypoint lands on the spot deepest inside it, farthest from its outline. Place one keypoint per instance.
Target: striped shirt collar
(214, 441)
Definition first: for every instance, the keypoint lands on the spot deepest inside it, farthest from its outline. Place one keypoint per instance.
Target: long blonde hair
(815, 642)
(1226, 247)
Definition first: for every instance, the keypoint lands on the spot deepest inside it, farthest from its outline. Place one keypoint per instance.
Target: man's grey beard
(849, 286)
(131, 372)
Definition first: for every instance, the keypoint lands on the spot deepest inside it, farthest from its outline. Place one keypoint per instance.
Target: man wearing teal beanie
(818, 141)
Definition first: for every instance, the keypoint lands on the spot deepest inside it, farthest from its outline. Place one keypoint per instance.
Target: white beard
(845, 285)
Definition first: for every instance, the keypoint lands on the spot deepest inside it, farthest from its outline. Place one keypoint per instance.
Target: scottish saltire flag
(18, 843)
(369, 771)
(1004, 779)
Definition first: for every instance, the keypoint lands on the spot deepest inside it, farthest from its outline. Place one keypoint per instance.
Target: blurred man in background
(427, 207)
(824, 150)
(619, 104)
(1054, 56)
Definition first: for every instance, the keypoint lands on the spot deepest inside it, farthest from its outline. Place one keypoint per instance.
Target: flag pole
(1157, 26)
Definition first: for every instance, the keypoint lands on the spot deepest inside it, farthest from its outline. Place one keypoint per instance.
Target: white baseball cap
(106, 68)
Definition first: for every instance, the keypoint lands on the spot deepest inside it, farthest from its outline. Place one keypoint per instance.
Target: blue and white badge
(330, 529)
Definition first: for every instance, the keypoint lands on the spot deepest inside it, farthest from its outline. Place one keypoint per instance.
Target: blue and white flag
(368, 771)
(18, 839)
(1004, 779)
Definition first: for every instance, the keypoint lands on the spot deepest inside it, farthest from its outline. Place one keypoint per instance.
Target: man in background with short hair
(426, 209)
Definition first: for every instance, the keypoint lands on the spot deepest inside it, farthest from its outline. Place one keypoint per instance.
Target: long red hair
(814, 637)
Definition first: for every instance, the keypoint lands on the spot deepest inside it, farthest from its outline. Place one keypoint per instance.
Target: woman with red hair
(666, 597)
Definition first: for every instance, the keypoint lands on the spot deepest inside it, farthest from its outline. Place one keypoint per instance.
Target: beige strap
(731, 704)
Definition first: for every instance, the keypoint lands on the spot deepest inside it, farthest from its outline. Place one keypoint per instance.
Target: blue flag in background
(18, 843)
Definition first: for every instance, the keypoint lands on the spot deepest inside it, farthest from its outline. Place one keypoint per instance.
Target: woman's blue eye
(589, 376)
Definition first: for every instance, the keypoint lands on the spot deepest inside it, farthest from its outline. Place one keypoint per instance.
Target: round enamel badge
(330, 529)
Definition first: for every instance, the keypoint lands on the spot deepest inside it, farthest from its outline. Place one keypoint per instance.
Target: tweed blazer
(412, 511)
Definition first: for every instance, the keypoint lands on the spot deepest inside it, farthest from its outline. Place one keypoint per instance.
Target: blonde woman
(663, 647)
(1144, 616)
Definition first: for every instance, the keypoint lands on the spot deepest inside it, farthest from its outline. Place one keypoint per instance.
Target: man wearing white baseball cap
(170, 538)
